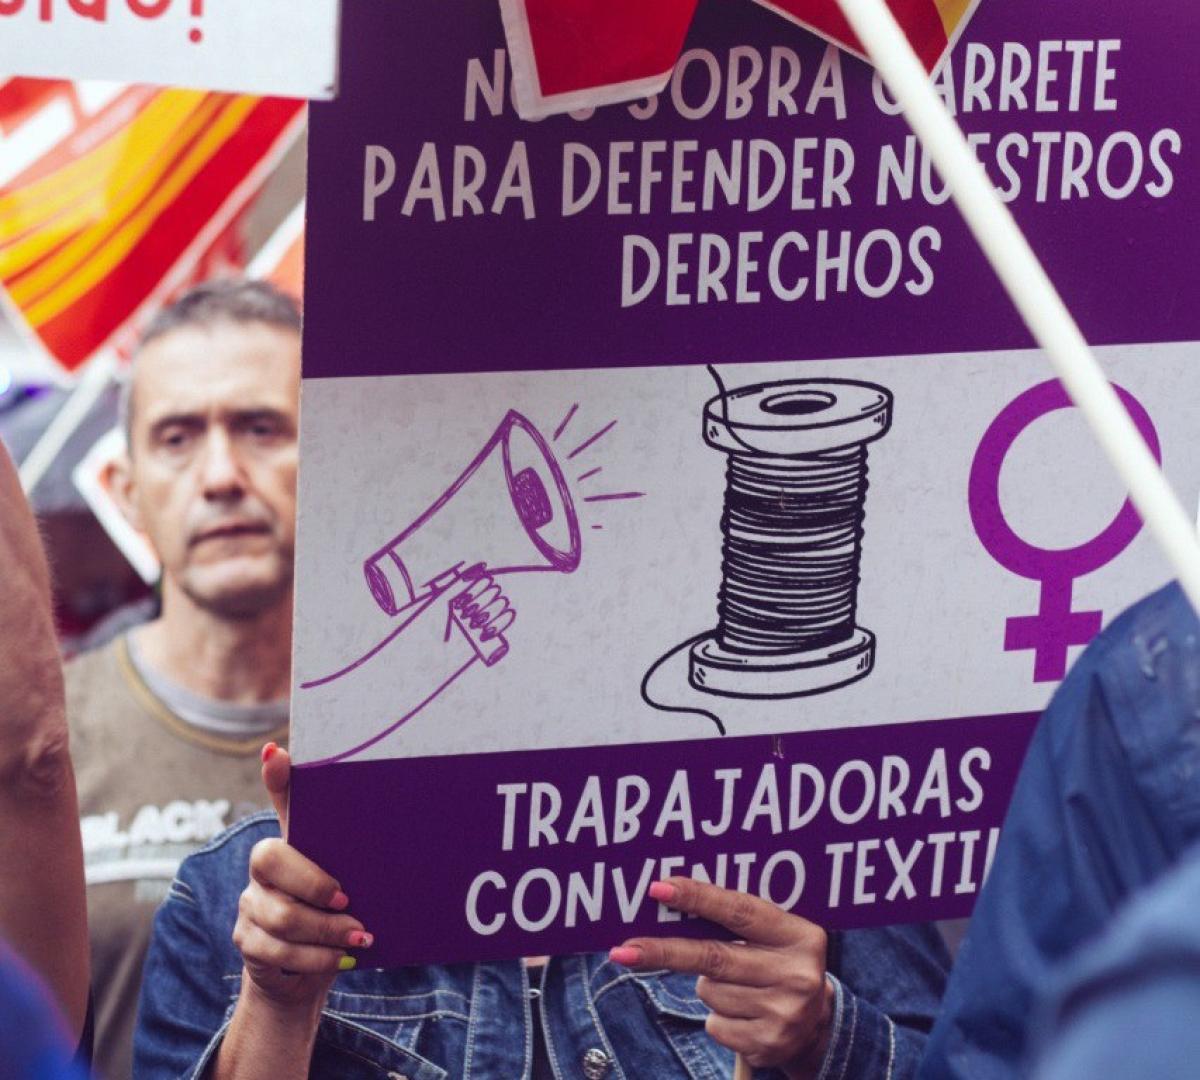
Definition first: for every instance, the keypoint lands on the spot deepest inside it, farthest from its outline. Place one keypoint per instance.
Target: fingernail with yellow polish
(347, 963)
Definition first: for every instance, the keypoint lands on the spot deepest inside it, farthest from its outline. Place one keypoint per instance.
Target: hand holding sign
(293, 934)
(768, 993)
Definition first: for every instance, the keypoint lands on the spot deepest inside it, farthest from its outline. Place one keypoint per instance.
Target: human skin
(210, 477)
(768, 993)
(43, 910)
(293, 936)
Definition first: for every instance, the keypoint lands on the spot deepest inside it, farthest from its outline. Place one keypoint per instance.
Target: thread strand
(792, 531)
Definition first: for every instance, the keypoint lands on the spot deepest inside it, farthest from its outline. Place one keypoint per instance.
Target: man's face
(212, 472)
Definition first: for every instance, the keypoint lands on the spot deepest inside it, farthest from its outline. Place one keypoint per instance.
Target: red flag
(281, 259)
(570, 54)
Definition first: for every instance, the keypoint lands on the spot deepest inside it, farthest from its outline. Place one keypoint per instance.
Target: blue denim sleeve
(1051, 887)
(888, 985)
(1141, 978)
(1090, 823)
(185, 996)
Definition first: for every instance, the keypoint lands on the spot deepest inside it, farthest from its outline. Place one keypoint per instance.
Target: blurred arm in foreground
(1107, 803)
(43, 912)
(1126, 1007)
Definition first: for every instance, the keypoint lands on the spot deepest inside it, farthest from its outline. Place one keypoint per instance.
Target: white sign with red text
(276, 47)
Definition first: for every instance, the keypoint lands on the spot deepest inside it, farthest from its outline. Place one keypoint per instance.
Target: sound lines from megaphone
(590, 441)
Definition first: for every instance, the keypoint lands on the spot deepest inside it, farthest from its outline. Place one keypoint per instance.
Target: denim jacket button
(596, 1064)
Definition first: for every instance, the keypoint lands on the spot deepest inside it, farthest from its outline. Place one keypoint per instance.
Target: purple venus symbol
(1055, 627)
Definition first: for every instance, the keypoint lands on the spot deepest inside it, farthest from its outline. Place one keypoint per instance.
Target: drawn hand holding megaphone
(481, 613)
(511, 501)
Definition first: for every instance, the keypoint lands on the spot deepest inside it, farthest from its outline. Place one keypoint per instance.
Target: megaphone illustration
(510, 510)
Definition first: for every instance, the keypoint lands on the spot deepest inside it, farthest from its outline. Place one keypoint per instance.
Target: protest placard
(680, 493)
(266, 47)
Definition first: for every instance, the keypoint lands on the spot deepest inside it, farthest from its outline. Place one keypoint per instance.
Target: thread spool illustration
(792, 529)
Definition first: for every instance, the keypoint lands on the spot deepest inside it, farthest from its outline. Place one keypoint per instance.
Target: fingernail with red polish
(663, 891)
(629, 955)
(360, 939)
(268, 750)
(340, 901)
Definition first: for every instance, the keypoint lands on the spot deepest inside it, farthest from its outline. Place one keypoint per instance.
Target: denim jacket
(1142, 975)
(1107, 802)
(474, 1021)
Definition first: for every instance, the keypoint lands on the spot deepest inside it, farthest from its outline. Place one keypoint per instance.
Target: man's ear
(117, 476)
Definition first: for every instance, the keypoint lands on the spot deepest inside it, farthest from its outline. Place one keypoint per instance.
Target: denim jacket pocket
(673, 995)
(413, 1031)
(680, 1015)
(352, 1051)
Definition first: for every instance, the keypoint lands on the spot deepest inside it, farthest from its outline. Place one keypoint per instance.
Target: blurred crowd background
(136, 193)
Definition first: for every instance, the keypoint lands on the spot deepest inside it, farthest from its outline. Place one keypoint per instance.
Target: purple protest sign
(674, 475)
(562, 845)
(507, 269)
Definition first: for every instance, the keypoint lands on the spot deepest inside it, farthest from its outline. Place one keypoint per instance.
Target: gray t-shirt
(160, 771)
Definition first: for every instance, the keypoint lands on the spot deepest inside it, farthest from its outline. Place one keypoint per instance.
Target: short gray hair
(223, 300)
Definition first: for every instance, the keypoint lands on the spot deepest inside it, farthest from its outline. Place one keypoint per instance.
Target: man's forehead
(226, 366)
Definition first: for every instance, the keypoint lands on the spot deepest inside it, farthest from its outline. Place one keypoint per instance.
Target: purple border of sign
(454, 799)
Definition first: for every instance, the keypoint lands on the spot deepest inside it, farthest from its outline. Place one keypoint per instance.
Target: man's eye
(264, 429)
(174, 439)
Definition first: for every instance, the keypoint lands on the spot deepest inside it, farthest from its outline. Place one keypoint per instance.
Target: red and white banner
(281, 260)
(247, 46)
(111, 198)
(572, 54)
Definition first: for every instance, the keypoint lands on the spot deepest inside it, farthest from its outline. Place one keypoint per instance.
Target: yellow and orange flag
(931, 25)
(111, 195)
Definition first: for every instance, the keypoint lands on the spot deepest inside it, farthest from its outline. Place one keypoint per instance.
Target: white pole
(1028, 286)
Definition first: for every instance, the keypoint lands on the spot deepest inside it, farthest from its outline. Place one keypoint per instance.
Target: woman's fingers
(768, 993)
(276, 777)
(750, 1038)
(289, 916)
(290, 920)
(749, 917)
(276, 865)
(259, 948)
(730, 999)
(725, 961)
